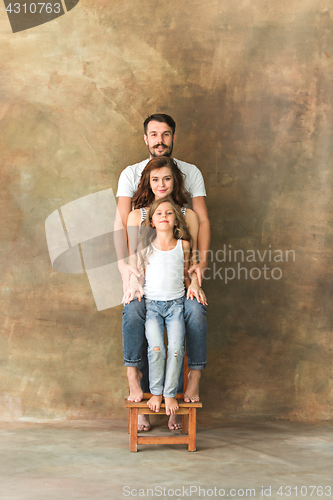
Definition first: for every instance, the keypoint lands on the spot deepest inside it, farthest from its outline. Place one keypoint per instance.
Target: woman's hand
(194, 291)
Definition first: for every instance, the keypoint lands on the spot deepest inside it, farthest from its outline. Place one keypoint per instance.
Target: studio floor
(90, 460)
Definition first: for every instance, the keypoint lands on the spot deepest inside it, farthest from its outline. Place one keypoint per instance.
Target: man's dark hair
(162, 118)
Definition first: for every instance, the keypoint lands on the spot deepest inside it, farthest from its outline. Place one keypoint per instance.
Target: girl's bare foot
(143, 423)
(154, 403)
(134, 377)
(192, 391)
(171, 406)
(175, 422)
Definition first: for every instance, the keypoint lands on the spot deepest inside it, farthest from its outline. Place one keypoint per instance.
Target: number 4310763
(317, 491)
(33, 8)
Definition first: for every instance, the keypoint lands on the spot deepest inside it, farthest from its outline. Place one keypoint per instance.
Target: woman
(160, 178)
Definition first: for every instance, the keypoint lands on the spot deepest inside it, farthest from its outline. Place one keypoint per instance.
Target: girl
(164, 255)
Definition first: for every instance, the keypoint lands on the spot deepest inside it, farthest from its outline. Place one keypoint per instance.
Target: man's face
(159, 139)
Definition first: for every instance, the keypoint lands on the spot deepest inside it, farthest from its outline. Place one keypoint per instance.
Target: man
(159, 136)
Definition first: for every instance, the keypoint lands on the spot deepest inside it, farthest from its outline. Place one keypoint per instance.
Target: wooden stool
(189, 420)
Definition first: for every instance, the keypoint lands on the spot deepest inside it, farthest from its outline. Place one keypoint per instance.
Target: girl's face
(164, 217)
(161, 182)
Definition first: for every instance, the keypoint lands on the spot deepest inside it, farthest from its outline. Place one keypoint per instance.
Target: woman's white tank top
(164, 278)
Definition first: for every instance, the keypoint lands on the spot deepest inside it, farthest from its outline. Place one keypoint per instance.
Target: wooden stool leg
(133, 429)
(192, 437)
(185, 424)
(129, 420)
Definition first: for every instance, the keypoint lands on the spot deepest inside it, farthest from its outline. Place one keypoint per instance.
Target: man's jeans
(135, 344)
(170, 313)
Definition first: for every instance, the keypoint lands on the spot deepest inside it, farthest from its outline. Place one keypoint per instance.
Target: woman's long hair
(148, 233)
(144, 197)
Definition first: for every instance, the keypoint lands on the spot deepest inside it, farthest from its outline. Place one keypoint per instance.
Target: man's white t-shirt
(130, 177)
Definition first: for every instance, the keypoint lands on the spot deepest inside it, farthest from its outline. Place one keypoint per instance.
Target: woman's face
(161, 182)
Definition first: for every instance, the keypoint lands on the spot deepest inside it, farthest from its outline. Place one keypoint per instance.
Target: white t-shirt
(130, 177)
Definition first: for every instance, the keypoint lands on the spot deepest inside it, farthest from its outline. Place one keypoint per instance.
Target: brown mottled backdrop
(250, 87)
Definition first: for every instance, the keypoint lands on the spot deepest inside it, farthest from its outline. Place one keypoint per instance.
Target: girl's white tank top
(164, 278)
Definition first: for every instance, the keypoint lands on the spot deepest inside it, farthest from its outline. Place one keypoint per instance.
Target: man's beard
(167, 152)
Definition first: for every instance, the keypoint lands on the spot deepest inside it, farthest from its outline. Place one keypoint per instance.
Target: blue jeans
(135, 344)
(170, 313)
(134, 340)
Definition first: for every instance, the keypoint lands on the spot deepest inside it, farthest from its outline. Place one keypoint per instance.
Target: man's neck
(151, 157)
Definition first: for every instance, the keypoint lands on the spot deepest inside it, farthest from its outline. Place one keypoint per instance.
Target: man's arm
(120, 238)
(123, 209)
(200, 208)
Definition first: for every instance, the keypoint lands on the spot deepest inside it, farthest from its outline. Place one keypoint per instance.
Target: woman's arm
(187, 252)
(133, 223)
(199, 207)
(134, 288)
(192, 285)
(192, 222)
(120, 238)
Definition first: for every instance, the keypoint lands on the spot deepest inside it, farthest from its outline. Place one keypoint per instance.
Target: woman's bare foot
(143, 423)
(134, 377)
(171, 406)
(192, 391)
(175, 422)
(154, 403)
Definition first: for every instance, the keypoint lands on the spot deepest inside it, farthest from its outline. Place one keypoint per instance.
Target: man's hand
(194, 291)
(133, 290)
(130, 294)
(198, 269)
(126, 271)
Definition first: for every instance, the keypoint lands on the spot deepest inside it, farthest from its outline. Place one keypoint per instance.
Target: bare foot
(171, 406)
(175, 422)
(134, 378)
(192, 391)
(143, 423)
(154, 403)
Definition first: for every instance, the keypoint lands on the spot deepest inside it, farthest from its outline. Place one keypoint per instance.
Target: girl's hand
(197, 269)
(194, 291)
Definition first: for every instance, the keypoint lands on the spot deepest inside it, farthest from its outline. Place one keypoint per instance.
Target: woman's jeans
(135, 344)
(170, 313)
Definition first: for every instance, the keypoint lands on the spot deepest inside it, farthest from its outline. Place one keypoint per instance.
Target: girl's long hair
(148, 233)
(144, 197)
